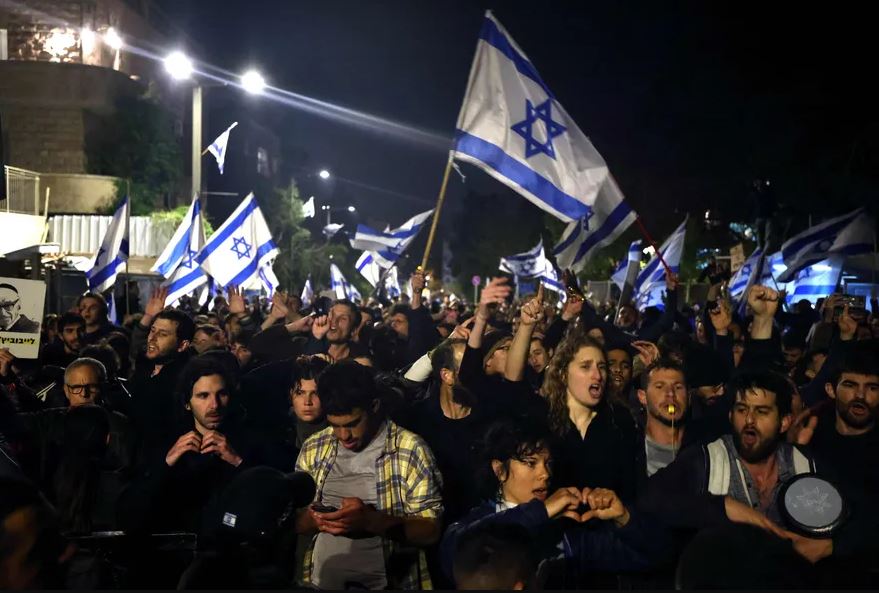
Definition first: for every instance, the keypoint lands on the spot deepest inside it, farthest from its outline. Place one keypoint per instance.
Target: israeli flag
(511, 126)
(392, 283)
(745, 276)
(240, 247)
(308, 210)
(113, 252)
(550, 279)
(851, 234)
(268, 279)
(339, 285)
(307, 292)
(112, 314)
(178, 261)
(650, 283)
(393, 242)
(526, 265)
(369, 268)
(218, 147)
(632, 261)
(816, 281)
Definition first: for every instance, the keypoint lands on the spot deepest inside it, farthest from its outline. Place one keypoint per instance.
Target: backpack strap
(718, 468)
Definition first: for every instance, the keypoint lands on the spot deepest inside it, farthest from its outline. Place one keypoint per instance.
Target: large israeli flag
(851, 234)
(339, 285)
(511, 126)
(218, 147)
(526, 265)
(368, 268)
(113, 252)
(816, 281)
(395, 241)
(240, 247)
(177, 262)
(632, 261)
(650, 283)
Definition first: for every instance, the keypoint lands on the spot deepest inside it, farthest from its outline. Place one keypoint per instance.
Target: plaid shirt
(408, 484)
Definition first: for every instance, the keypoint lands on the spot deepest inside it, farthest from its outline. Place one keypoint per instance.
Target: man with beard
(736, 477)
(333, 334)
(160, 342)
(71, 328)
(845, 442)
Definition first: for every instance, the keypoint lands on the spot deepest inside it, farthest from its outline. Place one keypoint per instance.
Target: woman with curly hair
(597, 438)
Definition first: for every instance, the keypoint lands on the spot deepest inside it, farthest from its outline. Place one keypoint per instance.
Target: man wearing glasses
(11, 319)
(83, 381)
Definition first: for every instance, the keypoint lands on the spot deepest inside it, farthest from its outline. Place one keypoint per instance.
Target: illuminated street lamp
(112, 38)
(324, 174)
(178, 65)
(253, 82)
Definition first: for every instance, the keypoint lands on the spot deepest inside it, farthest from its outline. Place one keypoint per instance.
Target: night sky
(686, 102)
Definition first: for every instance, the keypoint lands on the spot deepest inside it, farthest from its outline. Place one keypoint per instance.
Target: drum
(812, 506)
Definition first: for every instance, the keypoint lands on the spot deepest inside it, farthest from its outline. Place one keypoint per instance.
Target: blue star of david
(101, 251)
(585, 219)
(240, 247)
(189, 258)
(525, 128)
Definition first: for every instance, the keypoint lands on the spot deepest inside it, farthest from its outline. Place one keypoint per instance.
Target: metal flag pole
(436, 213)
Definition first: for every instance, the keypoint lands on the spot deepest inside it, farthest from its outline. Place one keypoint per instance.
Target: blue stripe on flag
(185, 281)
(252, 267)
(495, 38)
(569, 239)
(616, 217)
(521, 174)
(789, 252)
(181, 249)
(217, 239)
(105, 272)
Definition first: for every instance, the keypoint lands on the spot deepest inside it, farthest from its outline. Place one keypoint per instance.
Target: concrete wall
(28, 230)
(78, 194)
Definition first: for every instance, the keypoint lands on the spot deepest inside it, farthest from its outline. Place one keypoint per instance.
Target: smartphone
(322, 508)
(857, 307)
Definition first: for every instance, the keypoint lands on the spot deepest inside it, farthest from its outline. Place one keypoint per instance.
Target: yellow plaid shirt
(408, 484)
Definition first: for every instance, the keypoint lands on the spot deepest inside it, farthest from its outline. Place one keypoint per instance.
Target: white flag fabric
(632, 260)
(851, 234)
(218, 147)
(389, 244)
(339, 285)
(240, 247)
(392, 283)
(113, 252)
(550, 279)
(528, 264)
(268, 279)
(745, 276)
(308, 210)
(512, 127)
(368, 268)
(816, 281)
(112, 314)
(651, 281)
(307, 293)
(178, 261)
(331, 229)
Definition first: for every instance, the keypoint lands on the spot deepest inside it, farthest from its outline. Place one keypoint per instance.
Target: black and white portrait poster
(21, 313)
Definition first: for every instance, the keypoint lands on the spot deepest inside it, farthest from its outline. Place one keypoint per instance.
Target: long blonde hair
(555, 382)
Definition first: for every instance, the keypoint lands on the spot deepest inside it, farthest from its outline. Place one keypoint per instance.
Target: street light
(253, 82)
(112, 38)
(178, 65)
(324, 174)
(352, 209)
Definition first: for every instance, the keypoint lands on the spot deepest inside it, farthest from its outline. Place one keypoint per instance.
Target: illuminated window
(263, 166)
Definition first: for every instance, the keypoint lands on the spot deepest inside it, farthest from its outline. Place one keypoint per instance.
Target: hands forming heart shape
(587, 504)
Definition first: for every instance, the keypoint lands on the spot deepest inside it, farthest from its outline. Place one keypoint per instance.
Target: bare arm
(517, 356)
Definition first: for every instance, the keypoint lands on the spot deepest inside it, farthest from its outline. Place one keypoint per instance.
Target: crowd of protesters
(506, 444)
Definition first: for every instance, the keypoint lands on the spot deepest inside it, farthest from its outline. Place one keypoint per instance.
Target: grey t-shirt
(658, 456)
(340, 561)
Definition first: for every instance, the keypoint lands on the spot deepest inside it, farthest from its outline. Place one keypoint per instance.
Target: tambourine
(812, 506)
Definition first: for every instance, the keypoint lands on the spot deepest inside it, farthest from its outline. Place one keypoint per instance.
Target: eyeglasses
(78, 389)
(9, 306)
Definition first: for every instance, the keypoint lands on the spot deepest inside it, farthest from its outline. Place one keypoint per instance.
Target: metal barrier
(22, 191)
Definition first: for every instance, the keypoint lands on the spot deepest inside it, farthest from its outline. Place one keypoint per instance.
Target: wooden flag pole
(436, 214)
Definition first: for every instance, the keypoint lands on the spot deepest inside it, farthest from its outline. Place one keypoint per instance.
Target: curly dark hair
(555, 382)
(504, 441)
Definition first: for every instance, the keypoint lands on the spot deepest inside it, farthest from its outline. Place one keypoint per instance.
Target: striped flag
(177, 263)
(113, 252)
